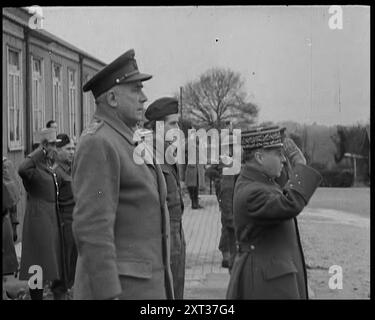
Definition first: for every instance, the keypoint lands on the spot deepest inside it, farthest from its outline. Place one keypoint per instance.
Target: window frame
(72, 114)
(15, 145)
(88, 108)
(58, 115)
(41, 103)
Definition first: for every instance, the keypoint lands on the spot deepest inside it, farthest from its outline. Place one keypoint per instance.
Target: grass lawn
(352, 200)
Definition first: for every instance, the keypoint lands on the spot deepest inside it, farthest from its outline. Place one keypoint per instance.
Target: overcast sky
(292, 62)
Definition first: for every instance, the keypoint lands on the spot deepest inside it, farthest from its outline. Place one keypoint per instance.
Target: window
(88, 106)
(57, 102)
(72, 106)
(38, 105)
(15, 100)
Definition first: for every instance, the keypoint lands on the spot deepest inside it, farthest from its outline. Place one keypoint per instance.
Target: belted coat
(120, 218)
(269, 263)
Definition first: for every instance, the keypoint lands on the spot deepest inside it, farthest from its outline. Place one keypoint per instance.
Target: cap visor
(278, 145)
(138, 77)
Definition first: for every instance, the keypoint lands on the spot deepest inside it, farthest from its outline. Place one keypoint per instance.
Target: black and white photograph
(196, 152)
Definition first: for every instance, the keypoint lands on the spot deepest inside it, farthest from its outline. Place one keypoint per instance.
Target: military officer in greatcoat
(269, 263)
(166, 110)
(120, 218)
(227, 243)
(42, 237)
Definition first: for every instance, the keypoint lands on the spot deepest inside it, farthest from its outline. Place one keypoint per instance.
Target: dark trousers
(70, 249)
(227, 243)
(193, 193)
(71, 254)
(178, 256)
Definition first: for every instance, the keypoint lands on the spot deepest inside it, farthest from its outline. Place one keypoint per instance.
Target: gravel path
(329, 238)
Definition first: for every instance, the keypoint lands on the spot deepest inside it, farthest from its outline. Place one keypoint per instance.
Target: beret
(161, 108)
(122, 70)
(262, 137)
(64, 140)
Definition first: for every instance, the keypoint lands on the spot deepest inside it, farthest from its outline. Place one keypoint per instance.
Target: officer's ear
(258, 157)
(111, 98)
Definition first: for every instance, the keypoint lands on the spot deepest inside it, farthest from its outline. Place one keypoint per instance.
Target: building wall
(48, 51)
(13, 38)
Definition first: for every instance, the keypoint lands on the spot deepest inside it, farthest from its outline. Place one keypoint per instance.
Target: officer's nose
(143, 97)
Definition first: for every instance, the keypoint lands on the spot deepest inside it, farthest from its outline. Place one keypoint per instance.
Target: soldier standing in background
(63, 168)
(166, 110)
(227, 244)
(193, 175)
(224, 186)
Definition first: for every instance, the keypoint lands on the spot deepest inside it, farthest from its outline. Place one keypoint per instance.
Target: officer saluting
(269, 263)
(120, 220)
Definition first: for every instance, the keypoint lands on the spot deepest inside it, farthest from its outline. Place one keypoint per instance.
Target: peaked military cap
(122, 70)
(161, 108)
(263, 137)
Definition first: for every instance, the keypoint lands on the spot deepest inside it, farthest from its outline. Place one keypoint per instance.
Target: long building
(43, 77)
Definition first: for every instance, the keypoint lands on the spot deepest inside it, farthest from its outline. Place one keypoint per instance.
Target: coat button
(299, 182)
(291, 185)
(252, 247)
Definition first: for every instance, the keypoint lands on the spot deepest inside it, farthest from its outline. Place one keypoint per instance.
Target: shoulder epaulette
(93, 127)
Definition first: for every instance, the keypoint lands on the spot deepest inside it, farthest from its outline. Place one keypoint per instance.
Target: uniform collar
(65, 166)
(252, 173)
(108, 115)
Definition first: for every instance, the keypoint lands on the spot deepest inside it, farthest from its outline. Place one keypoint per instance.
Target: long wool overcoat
(120, 218)
(42, 242)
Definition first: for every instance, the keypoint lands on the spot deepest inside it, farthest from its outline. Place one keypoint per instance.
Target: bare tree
(216, 99)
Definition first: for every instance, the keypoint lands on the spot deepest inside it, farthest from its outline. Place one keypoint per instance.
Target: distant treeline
(330, 149)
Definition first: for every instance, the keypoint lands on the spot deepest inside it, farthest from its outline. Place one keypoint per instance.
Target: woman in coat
(42, 235)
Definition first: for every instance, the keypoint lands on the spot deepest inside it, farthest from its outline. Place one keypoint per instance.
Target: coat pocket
(135, 268)
(279, 268)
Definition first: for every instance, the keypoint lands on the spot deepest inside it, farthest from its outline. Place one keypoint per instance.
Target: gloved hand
(293, 153)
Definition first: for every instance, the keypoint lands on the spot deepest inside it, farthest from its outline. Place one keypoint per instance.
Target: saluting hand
(293, 153)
